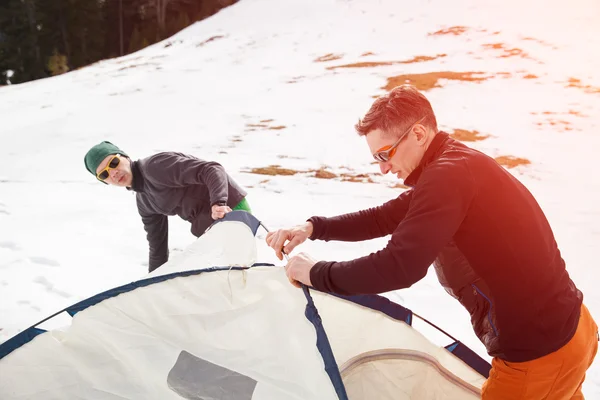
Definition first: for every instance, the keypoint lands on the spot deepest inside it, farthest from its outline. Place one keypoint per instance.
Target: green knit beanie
(99, 152)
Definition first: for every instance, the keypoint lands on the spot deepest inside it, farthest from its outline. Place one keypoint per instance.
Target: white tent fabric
(230, 334)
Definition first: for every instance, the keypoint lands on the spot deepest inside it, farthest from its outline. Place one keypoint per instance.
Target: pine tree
(174, 25)
(136, 41)
(75, 28)
(86, 27)
(43, 37)
(19, 46)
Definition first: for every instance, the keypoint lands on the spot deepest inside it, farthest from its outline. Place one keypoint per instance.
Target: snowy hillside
(271, 89)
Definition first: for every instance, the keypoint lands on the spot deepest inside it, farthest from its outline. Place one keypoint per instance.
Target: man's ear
(420, 133)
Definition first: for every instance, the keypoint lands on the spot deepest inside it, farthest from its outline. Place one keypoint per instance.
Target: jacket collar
(137, 178)
(440, 139)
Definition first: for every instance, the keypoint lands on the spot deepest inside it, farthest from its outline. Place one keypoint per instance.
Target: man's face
(120, 175)
(408, 153)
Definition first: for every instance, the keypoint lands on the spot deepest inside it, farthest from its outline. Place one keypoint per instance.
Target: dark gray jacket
(172, 183)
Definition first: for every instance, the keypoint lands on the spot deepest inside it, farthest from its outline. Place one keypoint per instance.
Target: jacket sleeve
(177, 170)
(157, 233)
(362, 225)
(439, 205)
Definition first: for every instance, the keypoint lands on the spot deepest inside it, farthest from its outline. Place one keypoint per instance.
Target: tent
(214, 323)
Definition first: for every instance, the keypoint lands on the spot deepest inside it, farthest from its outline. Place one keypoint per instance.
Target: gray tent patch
(196, 379)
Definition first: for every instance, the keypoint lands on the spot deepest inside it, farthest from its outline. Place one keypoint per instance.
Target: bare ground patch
(128, 60)
(506, 51)
(264, 124)
(468, 136)
(524, 75)
(543, 43)
(354, 177)
(275, 169)
(576, 113)
(138, 65)
(210, 39)
(511, 161)
(453, 30)
(324, 172)
(172, 42)
(295, 79)
(431, 80)
(320, 173)
(558, 124)
(123, 93)
(368, 53)
(364, 64)
(576, 83)
(272, 170)
(418, 59)
(328, 57)
(557, 119)
(372, 64)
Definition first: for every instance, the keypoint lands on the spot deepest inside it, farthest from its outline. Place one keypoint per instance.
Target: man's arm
(439, 205)
(157, 229)
(176, 169)
(362, 225)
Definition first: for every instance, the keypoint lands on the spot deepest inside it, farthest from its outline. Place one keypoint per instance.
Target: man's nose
(384, 167)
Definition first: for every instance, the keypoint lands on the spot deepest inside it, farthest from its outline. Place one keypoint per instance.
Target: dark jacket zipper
(490, 310)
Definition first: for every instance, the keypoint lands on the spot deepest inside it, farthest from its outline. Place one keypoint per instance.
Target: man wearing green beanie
(168, 183)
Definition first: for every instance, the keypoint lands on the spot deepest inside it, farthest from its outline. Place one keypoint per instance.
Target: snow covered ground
(269, 82)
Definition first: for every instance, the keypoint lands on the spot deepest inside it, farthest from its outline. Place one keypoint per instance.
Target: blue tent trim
(30, 333)
(19, 340)
(82, 305)
(311, 314)
(470, 357)
(240, 216)
(400, 313)
(382, 304)
(374, 302)
(331, 367)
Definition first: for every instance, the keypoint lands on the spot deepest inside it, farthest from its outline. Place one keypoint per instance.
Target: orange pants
(556, 376)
